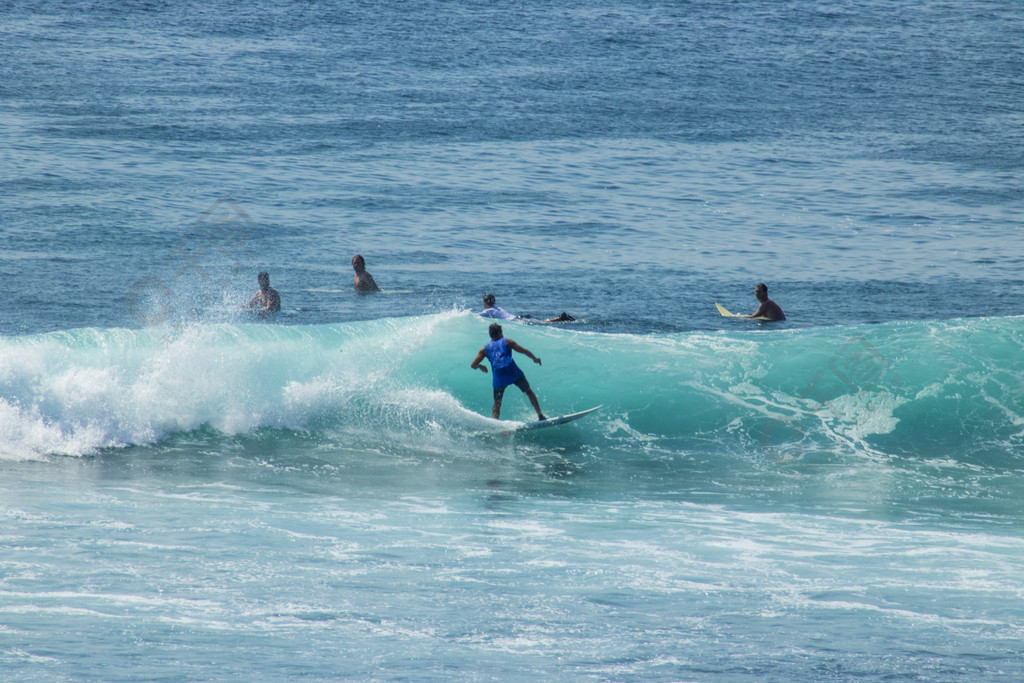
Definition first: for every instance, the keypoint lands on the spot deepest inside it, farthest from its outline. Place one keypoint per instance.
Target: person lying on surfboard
(504, 370)
(492, 311)
(768, 308)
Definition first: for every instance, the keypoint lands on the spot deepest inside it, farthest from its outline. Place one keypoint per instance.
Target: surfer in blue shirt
(768, 308)
(492, 311)
(504, 370)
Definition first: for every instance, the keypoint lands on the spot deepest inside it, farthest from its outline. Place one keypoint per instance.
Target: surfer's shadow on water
(529, 470)
(554, 457)
(556, 466)
(547, 475)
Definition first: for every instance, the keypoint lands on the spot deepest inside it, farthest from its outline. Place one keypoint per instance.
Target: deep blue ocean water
(191, 493)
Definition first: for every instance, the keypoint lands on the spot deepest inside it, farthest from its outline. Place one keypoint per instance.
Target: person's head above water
(495, 331)
(488, 300)
(358, 263)
(761, 291)
(264, 279)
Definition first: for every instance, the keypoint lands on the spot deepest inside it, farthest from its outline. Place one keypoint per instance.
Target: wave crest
(933, 389)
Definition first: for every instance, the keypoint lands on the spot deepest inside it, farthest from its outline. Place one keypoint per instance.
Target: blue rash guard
(504, 370)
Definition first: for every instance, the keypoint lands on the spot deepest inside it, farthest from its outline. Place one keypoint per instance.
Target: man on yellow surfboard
(768, 310)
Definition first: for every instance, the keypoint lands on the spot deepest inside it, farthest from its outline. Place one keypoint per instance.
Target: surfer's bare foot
(540, 417)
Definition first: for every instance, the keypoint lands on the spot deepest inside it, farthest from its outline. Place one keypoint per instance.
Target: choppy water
(190, 493)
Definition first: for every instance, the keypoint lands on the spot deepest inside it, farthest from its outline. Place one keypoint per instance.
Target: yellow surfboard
(727, 314)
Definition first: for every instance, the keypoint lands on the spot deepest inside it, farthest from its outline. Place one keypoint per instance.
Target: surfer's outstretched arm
(479, 359)
(523, 350)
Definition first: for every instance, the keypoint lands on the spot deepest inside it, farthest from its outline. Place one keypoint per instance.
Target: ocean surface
(189, 492)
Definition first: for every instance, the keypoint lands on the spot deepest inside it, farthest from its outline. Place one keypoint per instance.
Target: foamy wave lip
(80, 391)
(865, 414)
(77, 392)
(25, 435)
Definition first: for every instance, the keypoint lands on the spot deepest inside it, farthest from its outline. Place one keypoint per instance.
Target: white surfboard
(560, 420)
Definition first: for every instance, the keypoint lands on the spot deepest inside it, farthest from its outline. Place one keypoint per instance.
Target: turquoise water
(926, 390)
(255, 498)
(191, 493)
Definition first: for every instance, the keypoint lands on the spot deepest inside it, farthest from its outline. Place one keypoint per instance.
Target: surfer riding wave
(504, 370)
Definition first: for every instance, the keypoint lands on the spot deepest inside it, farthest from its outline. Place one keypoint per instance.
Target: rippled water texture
(191, 493)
